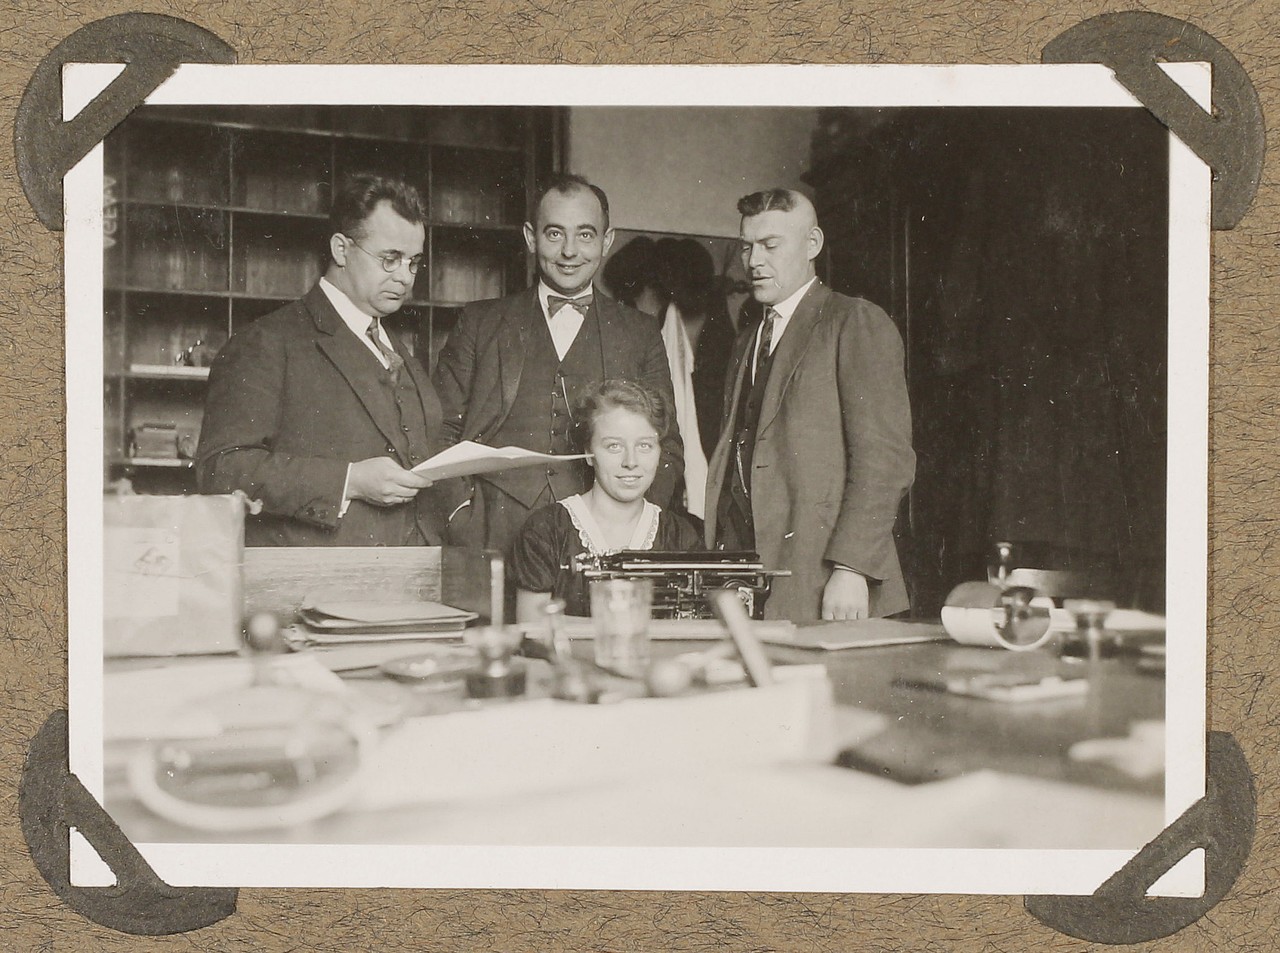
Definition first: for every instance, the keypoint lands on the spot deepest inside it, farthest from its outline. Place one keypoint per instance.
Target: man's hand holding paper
(383, 482)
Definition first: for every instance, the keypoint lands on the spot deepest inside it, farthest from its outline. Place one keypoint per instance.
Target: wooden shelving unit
(216, 216)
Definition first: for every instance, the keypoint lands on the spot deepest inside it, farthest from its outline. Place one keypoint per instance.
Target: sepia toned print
(1026, 243)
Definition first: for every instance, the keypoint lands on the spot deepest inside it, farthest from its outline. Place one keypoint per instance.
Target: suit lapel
(358, 366)
(617, 359)
(786, 359)
(513, 336)
(740, 363)
(719, 467)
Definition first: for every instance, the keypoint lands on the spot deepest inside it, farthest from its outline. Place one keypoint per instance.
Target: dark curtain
(1027, 262)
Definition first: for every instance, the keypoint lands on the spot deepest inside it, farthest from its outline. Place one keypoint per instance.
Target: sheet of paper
(856, 633)
(469, 458)
(681, 630)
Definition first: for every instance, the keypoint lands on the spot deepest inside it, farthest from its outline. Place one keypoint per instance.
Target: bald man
(815, 453)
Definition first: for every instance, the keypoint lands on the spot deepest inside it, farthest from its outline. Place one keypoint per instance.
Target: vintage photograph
(766, 478)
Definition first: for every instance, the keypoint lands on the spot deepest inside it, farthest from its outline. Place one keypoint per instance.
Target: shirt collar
(545, 291)
(787, 307)
(351, 316)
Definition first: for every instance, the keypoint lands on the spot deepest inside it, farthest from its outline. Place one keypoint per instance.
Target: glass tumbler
(620, 610)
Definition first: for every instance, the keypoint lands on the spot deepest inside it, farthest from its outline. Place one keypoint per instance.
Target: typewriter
(682, 580)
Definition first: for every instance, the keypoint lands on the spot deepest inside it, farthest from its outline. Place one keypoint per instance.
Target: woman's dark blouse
(549, 541)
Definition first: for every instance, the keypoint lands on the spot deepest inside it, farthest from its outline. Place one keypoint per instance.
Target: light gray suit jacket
(833, 454)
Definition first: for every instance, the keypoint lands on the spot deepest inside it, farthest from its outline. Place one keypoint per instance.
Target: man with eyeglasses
(513, 368)
(317, 410)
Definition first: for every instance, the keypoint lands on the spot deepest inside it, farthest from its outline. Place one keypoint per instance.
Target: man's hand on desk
(383, 482)
(845, 595)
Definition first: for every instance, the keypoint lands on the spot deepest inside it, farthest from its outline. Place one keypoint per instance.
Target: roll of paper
(979, 613)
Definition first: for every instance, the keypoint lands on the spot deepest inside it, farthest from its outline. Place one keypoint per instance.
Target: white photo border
(842, 869)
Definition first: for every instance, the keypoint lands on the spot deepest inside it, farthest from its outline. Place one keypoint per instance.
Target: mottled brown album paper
(1243, 697)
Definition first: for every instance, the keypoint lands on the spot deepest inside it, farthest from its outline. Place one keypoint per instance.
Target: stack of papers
(336, 623)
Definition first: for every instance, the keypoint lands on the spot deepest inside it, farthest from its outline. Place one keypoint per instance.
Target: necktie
(555, 303)
(394, 360)
(766, 341)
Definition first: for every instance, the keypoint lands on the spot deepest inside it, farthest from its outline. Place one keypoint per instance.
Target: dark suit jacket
(833, 454)
(479, 369)
(293, 399)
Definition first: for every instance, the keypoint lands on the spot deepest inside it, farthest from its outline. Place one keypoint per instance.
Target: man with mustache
(815, 454)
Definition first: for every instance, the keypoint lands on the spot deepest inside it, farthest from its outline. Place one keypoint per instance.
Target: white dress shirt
(356, 320)
(784, 310)
(565, 325)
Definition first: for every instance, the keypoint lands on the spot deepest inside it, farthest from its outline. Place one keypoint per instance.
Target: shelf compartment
(179, 164)
(175, 248)
(471, 266)
(276, 259)
(477, 186)
(489, 127)
(280, 172)
(399, 160)
(167, 405)
(399, 123)
(162, 327)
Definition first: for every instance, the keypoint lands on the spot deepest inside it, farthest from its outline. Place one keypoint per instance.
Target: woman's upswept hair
(630, 395)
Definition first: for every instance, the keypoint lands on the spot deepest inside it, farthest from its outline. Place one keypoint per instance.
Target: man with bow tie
(513, 367)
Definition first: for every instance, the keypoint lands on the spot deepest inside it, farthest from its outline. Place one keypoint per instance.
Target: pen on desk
(730, 610)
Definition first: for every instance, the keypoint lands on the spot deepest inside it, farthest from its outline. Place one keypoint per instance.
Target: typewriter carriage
(681, 580)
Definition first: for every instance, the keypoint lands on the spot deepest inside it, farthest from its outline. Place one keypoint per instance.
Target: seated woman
(621, 425)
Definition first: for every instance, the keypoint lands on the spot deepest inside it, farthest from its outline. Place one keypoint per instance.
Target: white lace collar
(592, 536)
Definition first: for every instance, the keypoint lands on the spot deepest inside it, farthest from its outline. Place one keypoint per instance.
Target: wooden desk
(1001, 773)
(933, 735)
(1004, 772)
